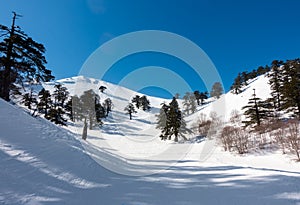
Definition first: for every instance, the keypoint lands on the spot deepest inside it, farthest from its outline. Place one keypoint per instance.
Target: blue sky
(236, 35)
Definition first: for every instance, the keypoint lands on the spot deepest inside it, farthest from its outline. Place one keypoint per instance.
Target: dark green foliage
(102, 88)
(22, 60)
(171, 122)
(130, 110)
(45, 102)
(217, 90)
(291, 87)
(145, 103)
(56, 115)
(60, 95)
(200, 96)
(29, 100)
(276, 82)
(136, 100)
(237, 84)
(57, 111)
(256, 111)
(141, 102)
(107, 105)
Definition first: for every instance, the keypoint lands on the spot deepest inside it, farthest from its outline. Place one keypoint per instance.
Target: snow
(125, 163)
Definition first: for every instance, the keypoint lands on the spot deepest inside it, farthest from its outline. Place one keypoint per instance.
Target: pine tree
(136, 100)
(22, 59)
(107, 106)
(171, 122)
(256, 111)
(60, 95)
(130, 110)
(145, 103)
(237, 85)
(216, 90)
(197, 96)
(102, 88)
(291, 87)
(29, 100)
(203, 97)
(45, 102)
(276, 83)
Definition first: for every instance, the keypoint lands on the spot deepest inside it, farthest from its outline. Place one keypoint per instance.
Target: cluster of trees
(284, 79)
(170, 122)
(139, 103)
(21, 60)
(266, 121)
(59, 106)
(242, 79)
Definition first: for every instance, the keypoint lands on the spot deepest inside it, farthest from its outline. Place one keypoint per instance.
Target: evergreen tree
(245, 76)
(162, 117)
(171, 122)
(276, 82)
(22, 59)
(203, 96)
(291, 87)
(44, 103)
(216, 90)
(145, 103)
(56, 115)
(29, 100)
(102, 88)
(136, 100)
(130, 110)
(107, 106)
(237, 85)
(197, 96)
(69, 109)
(256, 111)
(60, 95)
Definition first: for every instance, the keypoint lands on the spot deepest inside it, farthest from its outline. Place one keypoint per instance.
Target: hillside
(42, 163)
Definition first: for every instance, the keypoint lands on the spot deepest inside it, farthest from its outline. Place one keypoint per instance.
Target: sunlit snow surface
(45, 164)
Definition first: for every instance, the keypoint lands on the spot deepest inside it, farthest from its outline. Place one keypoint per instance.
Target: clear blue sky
(237, 35)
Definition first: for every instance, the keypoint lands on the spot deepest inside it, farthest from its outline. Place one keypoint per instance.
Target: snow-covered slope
(45, 164)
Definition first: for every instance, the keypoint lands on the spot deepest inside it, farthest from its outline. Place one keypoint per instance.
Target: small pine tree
(136, 100)
(45, 102)
(237, 85)
(102, 88)
(107, 106)
(145, 103)
(216, 90)
(130, 110)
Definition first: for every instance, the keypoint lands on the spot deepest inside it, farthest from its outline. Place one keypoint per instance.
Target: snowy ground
(45, 164)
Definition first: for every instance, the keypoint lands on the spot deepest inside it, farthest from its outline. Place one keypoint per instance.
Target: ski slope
(42, 163)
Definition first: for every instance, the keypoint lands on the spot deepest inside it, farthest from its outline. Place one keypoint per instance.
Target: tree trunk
(84, 132)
